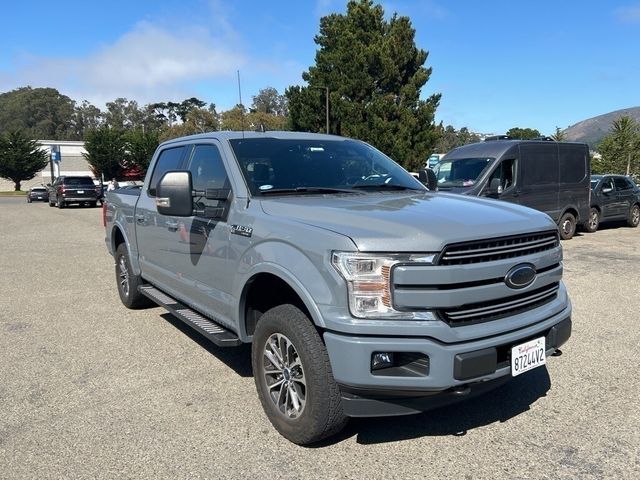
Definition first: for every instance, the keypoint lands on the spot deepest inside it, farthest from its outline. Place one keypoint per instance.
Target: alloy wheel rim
(123, 276)
(284, 376)
(594, 219)
(635, 215)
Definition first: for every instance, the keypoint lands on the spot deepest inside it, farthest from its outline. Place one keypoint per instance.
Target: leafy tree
(106, 152)
(523, 133)
(449, 138)
(559, 135)
(42, 113)
(620, 148)
(269, 101)
(198, 120)
(374, 73)
(187, 106)
(20, 157)
(234, 119)
(86, 117)
(140, 146)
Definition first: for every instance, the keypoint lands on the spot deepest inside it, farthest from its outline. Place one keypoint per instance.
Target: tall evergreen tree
(620, 149)
(374, 73)
(20, 157)
(106, 152)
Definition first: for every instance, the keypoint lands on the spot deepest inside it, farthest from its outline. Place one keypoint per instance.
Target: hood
(409, 222)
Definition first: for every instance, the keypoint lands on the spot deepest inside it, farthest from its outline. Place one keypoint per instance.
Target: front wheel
(128, 282)
(61, 203)
(293, 377)
(634, 216)
(567, 226)
(594, 221)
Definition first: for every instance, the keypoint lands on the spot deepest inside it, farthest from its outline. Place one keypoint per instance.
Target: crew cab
(613, 197)
(362, 292)
(66, 190)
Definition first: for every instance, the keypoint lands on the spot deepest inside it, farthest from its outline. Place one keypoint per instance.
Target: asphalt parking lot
(89, 389)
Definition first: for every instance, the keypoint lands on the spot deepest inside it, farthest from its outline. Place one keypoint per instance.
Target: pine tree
(20, 157)
(374, 73)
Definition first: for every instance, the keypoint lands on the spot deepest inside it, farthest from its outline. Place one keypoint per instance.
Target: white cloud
(629, 14)
(149, 63)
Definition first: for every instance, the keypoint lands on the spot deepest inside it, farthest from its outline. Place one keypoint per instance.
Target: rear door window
(622, 184)
(573, 163)
(169, 159)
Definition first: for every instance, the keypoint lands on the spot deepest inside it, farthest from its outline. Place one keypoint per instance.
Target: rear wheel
(567, 226)
(128, 282)
(594, 221)
(634, 216)
(293, 377)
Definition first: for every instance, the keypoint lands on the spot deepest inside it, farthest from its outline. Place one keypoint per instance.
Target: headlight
(368, 279)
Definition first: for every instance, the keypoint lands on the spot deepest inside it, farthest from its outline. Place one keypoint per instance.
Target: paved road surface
(89, 389)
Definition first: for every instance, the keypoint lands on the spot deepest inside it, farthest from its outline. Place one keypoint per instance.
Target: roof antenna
(241, 105)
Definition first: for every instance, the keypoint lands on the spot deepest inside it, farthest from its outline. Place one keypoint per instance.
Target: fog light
(381, 360)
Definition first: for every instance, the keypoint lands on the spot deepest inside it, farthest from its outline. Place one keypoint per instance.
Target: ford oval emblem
(520, 276)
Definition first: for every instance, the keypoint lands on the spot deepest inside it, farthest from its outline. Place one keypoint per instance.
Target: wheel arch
(267, 289)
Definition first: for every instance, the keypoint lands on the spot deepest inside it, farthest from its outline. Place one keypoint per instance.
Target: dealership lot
(91, 389)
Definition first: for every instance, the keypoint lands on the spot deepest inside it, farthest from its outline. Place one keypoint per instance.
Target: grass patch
(12, 194)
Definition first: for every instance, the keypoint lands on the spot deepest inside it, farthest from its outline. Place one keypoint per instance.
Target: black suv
(613, 197)
(76, 189)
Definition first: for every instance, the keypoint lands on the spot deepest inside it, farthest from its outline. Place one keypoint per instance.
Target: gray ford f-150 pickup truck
(363, 293)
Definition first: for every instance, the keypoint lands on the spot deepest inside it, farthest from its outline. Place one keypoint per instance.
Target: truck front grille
(493, 310)
(498, 248)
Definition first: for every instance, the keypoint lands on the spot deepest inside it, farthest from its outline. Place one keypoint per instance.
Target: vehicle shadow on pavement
(236, 358)
(499, 405)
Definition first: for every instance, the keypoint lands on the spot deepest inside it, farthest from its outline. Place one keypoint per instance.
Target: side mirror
(607, 189)
(48, 184)
(428, 178)
(174, 194)
(494, 189)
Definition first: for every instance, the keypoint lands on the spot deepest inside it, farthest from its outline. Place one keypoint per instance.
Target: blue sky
(497, 64)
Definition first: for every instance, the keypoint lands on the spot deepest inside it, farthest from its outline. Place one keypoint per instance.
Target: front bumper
(454, 370)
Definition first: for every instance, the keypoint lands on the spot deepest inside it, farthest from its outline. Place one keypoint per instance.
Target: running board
(210, 329)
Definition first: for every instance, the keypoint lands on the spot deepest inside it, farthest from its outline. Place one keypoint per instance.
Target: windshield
(460, 172)
(274, 166)
(84, 181)
(594, 180)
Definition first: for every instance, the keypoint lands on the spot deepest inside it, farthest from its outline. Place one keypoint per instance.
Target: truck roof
(233, 135)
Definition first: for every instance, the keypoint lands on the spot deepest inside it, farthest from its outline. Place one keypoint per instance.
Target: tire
(51, 204)
(592, 224)
(567, 226)
(127, 282)
(634, 216)
(311, 409)
(60, 203)
(93, 204)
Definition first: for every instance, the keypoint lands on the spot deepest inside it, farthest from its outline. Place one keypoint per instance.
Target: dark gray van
(553, 177)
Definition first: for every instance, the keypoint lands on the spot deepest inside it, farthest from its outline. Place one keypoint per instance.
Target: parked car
(37, 193)
(613, 197)
(552, 177)
(74, 189)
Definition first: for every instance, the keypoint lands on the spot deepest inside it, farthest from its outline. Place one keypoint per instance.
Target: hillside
(592, 130)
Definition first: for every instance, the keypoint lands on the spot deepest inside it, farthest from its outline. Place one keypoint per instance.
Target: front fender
(312, 281)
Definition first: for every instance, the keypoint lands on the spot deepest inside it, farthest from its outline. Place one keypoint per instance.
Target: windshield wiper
(303, 190)
(384, 186)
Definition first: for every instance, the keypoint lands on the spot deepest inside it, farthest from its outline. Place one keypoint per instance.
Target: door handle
(172, 226)
(141, 219)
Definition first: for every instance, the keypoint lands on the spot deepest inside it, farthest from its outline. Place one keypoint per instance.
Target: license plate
(80, 191)
(527, 356)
